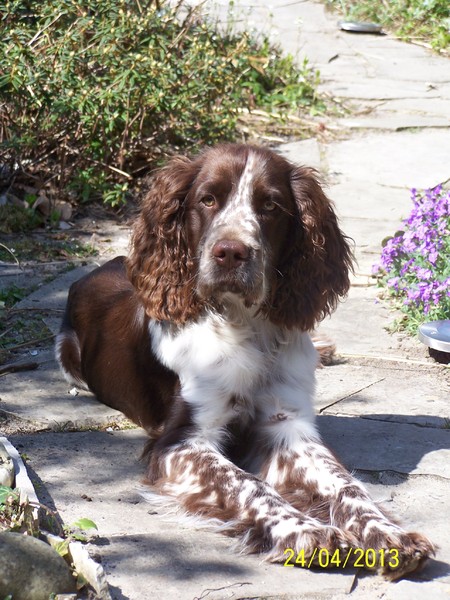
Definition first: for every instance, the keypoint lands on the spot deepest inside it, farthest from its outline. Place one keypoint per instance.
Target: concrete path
(384, 408)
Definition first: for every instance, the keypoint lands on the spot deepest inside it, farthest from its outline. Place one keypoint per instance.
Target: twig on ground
(12, 254)
(35, 309)
(31, 342)
(208, 591)
(15, 367)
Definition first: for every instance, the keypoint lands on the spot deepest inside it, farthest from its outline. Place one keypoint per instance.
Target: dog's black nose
(230, 254)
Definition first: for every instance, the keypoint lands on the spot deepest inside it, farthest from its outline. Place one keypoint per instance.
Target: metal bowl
(358, 27)
(436, 335)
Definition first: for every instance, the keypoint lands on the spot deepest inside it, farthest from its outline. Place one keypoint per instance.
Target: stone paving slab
(371, 444)
(399, 160)
(371, 392)
(52, 296)
(43, 398)
(380, 120)
(358, 327)
(348, 85)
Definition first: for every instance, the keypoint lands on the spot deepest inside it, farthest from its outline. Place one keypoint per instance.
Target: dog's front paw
(398, 553)
(408, 552)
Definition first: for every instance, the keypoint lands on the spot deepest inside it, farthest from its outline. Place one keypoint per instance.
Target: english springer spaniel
(201, 337)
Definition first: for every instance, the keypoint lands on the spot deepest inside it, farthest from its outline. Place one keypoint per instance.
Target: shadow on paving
(166, 558)
(373, 442)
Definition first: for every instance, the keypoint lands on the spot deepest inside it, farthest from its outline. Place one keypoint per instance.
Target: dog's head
(238, 223)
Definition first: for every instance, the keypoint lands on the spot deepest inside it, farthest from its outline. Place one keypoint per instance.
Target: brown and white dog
(201, 337)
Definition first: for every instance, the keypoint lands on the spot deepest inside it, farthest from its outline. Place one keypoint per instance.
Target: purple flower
(424, 273)
(413, 265)
(393, 282)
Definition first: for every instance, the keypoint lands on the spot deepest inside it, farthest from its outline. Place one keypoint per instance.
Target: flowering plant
(414, 267)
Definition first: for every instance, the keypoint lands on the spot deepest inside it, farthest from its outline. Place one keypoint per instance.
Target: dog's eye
(269, 206)
(209, 201)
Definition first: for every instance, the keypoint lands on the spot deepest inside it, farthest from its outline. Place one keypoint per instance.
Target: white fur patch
(72, 338)
(237, 221)
(267, 371)
(238, 217)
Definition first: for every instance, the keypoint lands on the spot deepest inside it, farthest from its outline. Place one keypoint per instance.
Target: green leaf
(62, 548)
(6, 492)
(85, 524)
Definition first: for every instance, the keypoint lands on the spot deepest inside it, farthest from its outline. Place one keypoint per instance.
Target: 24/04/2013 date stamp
(325, 559)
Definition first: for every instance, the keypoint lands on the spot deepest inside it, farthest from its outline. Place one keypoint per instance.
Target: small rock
(64, 226)
(31, 570)
(6, 468)
(48, 207)
(64, 209)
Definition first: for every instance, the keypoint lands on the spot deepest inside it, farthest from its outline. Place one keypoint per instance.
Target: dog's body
(111, 351)
(201, 336)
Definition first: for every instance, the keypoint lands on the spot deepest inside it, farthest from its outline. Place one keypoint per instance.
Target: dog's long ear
(314, 269)
(160, 266)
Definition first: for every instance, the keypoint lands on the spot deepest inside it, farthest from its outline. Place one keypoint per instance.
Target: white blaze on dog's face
(237, 209)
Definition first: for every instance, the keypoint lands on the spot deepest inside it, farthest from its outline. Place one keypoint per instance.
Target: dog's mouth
(246, 281)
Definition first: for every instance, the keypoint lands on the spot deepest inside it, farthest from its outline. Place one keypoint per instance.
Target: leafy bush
(425, 21)
(16, 512)
(92, 93)
(414, 268)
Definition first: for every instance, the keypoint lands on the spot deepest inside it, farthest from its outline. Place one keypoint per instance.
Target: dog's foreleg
(311, 478)
(205, 483)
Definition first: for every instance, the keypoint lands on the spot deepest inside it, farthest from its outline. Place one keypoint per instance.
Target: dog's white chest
(219, 357)
(231, 370)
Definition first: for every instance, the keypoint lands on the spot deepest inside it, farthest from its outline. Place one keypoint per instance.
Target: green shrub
(93, 93)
